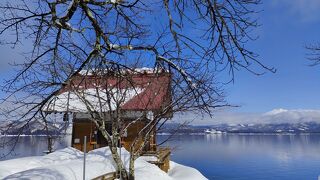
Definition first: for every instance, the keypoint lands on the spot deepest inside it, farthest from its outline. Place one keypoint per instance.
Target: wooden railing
(108, 176)
(163, 153)
(163, 158)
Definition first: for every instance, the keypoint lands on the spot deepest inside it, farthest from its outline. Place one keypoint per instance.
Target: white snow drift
(68, 164)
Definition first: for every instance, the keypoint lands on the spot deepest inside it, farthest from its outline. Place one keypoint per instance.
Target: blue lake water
(229, 156)
(243, 156)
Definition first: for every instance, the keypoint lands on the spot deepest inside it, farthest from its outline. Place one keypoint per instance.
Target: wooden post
(120, 159)
(49, 144)
(84, 157)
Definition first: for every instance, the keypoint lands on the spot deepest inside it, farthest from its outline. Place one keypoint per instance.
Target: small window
(77, 141)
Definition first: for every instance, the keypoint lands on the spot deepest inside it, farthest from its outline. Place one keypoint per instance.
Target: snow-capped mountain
(296, 128)
(290, 116)
(275, 112)
(275, 121)
(34, 127)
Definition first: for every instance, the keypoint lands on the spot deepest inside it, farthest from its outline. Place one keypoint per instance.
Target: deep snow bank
(68, 164)
(12, 166)
(178, 171)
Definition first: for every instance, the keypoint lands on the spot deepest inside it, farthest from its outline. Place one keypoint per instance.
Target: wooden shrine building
(137, 94)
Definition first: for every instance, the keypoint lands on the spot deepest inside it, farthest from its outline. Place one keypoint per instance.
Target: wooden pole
(84, 157)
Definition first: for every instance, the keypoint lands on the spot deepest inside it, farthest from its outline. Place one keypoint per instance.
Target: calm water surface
(229, 156)
(235, 156)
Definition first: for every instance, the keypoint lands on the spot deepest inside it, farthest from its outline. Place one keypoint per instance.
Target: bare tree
(314, 54)
(192, 40)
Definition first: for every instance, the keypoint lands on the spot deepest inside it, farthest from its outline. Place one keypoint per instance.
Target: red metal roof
(156, 88)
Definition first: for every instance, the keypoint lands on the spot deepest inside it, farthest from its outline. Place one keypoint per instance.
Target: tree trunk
(131, 167)
(119, 163)
(115, 155)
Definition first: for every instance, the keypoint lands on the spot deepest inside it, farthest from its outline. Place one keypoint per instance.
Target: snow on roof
(138, 92)
(143, 70)
(68, 164)
(90, 100)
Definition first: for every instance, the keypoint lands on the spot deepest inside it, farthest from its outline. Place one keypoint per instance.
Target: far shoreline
(177, 134)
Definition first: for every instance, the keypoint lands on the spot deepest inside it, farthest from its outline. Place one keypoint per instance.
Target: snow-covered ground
(67, 164)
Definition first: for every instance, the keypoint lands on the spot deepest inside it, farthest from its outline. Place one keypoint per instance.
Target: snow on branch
(180, 70)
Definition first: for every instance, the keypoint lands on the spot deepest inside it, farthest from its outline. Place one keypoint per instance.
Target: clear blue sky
(286, 27)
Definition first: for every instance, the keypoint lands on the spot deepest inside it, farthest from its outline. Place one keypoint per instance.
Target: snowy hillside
(67, 164)
(34, 127)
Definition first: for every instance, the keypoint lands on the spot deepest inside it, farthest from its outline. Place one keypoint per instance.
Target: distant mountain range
(37, 127)
(307, 127)
(34, 127)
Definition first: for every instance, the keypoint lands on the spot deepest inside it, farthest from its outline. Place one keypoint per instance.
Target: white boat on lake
(212, 131)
